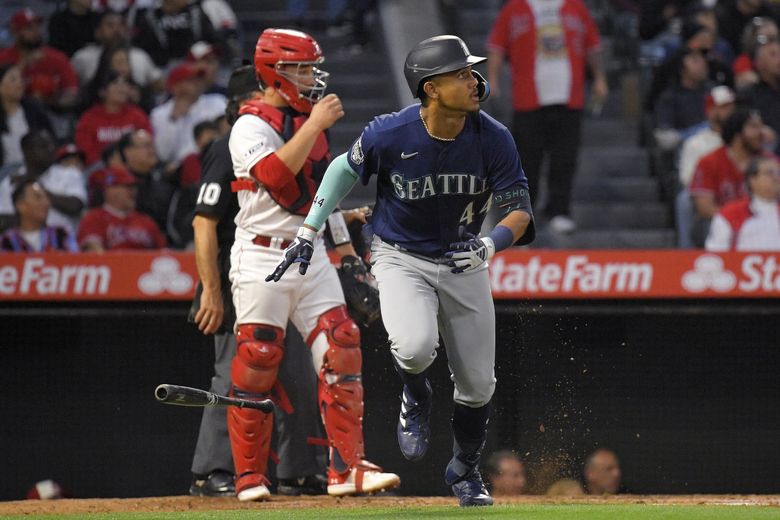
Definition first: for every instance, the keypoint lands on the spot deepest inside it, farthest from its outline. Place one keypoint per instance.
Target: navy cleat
(414, 430)
(470, 489)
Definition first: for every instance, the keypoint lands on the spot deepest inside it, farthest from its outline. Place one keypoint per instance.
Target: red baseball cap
(719, 96)
(183, 72)
(201, 50)
(24, 17)
(67, 150)
(116, 176)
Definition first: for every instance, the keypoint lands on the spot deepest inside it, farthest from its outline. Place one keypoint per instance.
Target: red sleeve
(91, 229)
(86, 137)
(159, 239)
(498, 40)
(142, 120)
(592, 38)
(704, 180)
(272, 172)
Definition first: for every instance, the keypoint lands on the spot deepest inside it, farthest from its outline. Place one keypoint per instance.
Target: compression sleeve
(338, 181)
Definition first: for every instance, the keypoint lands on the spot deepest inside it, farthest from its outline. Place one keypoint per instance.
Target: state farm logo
(165, 275)
(709, 273)
(758, 273)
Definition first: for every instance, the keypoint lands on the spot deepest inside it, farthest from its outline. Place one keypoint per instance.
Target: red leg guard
(341, 390)
(259, 350)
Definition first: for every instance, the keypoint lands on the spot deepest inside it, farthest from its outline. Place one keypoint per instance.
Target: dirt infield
(187, 503)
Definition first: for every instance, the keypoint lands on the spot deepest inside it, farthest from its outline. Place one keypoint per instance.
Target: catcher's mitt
(362, 298)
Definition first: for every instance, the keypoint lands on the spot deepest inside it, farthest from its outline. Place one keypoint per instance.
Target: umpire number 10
(209, 194)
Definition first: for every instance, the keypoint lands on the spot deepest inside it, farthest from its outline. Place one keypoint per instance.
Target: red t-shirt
(190, 170)
(717, 175)
(46, 78)
(741, 64)
(112, 231)
(97, 128)
(546, 43)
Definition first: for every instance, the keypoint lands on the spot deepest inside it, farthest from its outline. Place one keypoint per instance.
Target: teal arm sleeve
(338, 181)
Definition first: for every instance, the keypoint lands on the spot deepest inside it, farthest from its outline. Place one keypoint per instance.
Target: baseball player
(280, 152)
(439, 165)
(301, 466)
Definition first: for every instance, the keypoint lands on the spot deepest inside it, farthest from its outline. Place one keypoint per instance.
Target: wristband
(502, 237)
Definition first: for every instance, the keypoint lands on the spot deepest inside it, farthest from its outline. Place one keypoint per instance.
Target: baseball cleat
(414, 430)
(309, 485)
(365, 477)
(215, 484)
(251, 487)
(470, 489)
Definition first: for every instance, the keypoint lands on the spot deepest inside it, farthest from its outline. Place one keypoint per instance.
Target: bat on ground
(187, 396)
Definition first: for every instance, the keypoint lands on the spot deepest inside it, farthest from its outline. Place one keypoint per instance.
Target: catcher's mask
(288, 60)
(439, 55)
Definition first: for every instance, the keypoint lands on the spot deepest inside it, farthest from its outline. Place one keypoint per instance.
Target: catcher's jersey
(427, 188)
(252, 139)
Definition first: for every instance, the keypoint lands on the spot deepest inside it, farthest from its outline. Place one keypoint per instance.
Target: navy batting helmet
(439, 55)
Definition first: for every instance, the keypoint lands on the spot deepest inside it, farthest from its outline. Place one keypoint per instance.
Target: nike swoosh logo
(407, 155)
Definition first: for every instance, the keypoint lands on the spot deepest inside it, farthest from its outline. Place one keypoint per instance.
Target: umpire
(302, 466)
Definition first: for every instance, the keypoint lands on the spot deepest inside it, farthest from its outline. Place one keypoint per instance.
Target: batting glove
(471, 253)
(301, 250)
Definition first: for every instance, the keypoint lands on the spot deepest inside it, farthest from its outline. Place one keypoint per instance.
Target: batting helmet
(439, 55)
(277, 48)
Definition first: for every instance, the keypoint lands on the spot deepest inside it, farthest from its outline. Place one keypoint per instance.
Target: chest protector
(295, 196)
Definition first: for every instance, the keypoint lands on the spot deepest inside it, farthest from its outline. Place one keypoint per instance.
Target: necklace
(445, 139)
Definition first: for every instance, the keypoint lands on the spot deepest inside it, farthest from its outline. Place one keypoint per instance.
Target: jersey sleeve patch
(357, 151)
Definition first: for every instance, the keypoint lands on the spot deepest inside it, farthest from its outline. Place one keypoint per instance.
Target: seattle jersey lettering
(438, 184)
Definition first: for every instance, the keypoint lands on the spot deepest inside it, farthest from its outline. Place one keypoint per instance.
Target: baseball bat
(188, 396)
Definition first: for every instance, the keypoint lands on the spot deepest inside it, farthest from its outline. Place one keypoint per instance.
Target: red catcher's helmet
(276, 50)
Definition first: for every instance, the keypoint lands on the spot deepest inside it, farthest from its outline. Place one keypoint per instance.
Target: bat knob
(161, 392)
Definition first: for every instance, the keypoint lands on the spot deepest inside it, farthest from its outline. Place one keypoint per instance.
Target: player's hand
(470, 253)
(301, 250)
(211, 313)
(326, 112)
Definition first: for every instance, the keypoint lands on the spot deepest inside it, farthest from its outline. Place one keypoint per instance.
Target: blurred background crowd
(666, 137)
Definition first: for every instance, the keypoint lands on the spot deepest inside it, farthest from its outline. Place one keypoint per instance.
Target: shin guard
(341, 390)
(259, 350)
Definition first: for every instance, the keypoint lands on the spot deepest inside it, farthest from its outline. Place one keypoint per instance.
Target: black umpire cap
(437, 55)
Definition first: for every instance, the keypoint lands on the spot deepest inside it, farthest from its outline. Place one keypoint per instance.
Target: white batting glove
(301, 250)
(471, 253)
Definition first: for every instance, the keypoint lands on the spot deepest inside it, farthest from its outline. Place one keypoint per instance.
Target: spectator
(204, 133)
(225, 22)
(174, 120)
(156, 184)
(734, 15)
(718, 177)
(565, 488)
(68, 155)
(64, 185)
(602, 473)
(751, 223)
(110, 118)
(117, 225)
(73, 27)
(680, 107)
(764, 96)
(112, 30)
(167, 32)
(18, 116)
(548, 92)
(718, 106)
(47, 73)
(32, 235)
(506, 473)
(759, 31)
(205, 56)
(695, 37)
